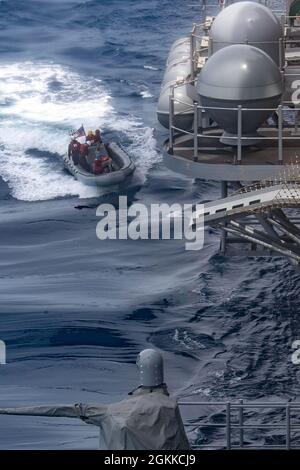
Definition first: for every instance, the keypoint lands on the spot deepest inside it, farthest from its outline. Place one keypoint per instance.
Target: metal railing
(198, 112)
(197, 34)
(243, 424)
(197, 51)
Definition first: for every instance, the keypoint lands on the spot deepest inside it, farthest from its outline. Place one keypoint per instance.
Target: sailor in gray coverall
(148, 419)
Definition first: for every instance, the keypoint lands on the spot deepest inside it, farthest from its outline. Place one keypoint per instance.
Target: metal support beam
(288, 427)
(268, 238)
(192, 52)
(241, 424)
(171, 121)
(285, 221)
(210, 46)
(255, 238)
(293, 237)
(239, 130)
(196, 125)
(224, 193)
(268, 228)
(281, 54)
(228, 426)
(280, 136)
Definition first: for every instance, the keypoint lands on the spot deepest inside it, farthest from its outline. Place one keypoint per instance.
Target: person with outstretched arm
(149, 419)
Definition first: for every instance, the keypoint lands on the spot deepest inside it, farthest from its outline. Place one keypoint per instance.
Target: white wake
(39, 104)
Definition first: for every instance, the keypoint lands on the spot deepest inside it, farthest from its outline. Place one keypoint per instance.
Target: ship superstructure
(230, 99)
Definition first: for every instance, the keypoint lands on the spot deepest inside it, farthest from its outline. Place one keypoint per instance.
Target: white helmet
(151, 368)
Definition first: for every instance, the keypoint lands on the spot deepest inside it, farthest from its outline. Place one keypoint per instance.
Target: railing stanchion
(281, 54)
(228, 426)
(239, 143)
(192, 52)
(171, 121)
(288, 427)
(196, 125)
(210, 46)
(241, 423)
(280, 141)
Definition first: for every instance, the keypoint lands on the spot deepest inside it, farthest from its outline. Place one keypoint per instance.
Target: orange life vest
(99, 164)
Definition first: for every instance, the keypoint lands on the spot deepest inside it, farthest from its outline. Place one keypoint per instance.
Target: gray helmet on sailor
(151, 368)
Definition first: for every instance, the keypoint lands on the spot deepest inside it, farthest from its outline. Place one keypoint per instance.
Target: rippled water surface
(75, 311)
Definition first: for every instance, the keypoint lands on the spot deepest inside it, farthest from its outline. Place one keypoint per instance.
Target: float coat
(147, 420)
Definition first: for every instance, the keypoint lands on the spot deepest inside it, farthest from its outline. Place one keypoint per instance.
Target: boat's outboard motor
(240, 75)
(249, 23)
(178, 71)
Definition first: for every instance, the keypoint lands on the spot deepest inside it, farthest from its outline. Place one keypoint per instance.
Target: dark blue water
(75, 311)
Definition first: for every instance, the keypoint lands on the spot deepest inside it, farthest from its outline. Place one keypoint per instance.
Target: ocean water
(75, 311)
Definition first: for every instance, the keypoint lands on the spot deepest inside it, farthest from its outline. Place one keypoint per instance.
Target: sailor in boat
(84, 151)
(98, 137)
(91, 154)
(94, 139)
(90, 137)
(74, 150)
(102, 163)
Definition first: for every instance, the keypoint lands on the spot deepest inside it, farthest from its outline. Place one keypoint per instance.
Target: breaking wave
(39, 104)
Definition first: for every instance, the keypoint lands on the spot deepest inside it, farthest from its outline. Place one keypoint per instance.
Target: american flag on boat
(79, 133)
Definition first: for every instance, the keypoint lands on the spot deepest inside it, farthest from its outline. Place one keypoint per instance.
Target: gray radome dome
(247, 22)
(240, 75)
